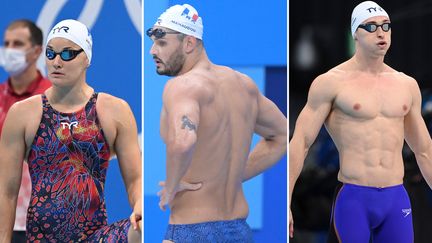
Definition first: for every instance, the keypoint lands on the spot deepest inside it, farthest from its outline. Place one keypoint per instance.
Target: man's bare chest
(371, 99)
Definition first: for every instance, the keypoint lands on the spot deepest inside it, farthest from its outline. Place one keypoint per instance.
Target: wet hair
(36, 35)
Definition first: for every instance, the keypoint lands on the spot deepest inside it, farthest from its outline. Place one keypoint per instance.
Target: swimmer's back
(228, 111)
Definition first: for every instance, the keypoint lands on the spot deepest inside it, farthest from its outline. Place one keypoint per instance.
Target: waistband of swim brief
(233, 221)
(372, 187)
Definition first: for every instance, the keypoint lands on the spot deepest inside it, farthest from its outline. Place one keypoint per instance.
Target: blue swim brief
(363, 213)
(235, 231)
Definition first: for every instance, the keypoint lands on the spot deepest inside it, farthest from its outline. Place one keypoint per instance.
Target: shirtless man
(368, 109)
(67, 135)
(208, 117)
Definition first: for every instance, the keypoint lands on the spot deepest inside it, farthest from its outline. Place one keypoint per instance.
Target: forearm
(7, 218)
(297, 155)
(265, 154)
(134, 191)
(424, 161)
(5, 236)
(178, 162)
(10, 181)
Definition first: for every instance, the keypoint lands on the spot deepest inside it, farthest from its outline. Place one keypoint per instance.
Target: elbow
(284, 141)
(180, 147)
(300, 144)
(12, 189)
(283, 145)
(423, 154)
(280, 141)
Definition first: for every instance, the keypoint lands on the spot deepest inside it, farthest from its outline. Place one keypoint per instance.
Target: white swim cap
(74, 31)
(364, 11)
(182, 18)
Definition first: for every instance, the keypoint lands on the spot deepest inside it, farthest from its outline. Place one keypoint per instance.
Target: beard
(173, 65)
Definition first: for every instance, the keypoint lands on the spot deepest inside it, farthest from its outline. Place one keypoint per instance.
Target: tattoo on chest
(187, 123)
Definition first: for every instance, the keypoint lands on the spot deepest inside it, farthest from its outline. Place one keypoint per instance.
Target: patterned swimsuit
(68, 162)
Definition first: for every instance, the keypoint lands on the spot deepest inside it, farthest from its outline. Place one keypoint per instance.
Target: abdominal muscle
(378, 170)
(370, 150)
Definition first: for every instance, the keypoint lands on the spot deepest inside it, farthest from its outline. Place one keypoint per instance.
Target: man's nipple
(357, 106)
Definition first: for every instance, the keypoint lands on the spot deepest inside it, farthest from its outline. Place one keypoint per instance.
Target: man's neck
(369, 63)
(193, 62)
(21, 82)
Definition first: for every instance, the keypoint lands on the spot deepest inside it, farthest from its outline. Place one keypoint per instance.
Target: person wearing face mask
(22, 45)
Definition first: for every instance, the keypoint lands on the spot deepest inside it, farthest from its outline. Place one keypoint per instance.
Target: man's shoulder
(4, 85)
(236, 77)
(327, 85)
(42, 85)
(400, 76)
(191, 84)
(330, 78)
(404, 76)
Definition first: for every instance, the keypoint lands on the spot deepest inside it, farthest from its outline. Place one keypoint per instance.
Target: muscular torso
(226, 124)
(366, 123)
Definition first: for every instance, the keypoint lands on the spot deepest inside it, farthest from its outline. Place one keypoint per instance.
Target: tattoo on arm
(187, 123)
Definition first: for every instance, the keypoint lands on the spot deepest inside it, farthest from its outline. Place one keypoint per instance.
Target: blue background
(115, 69)
(249, 36)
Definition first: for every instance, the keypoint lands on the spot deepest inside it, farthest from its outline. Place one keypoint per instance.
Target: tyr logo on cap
(194, 17)
(58, 29)
(374, 9)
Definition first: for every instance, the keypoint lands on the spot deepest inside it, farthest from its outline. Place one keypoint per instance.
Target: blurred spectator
(22, 45)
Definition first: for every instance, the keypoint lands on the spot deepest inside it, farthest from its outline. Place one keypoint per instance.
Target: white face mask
(13, 60)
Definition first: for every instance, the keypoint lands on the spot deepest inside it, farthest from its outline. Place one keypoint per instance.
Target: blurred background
(116, 63)
(319, 39)
(249, 36)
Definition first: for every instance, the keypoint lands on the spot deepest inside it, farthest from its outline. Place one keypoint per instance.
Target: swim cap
(182, 18)
(364, 11)
(74, 31)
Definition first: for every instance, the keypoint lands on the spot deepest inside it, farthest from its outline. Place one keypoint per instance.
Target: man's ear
(37, 51)
(190, 44)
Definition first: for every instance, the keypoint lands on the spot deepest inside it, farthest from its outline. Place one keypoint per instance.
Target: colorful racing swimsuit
(68, 161)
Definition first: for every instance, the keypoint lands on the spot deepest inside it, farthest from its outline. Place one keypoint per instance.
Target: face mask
(13, 60)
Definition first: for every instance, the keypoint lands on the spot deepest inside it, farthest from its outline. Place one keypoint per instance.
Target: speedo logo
(69, 125)
(406, 212)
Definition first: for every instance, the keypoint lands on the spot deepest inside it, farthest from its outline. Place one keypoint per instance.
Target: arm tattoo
(187, 123)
